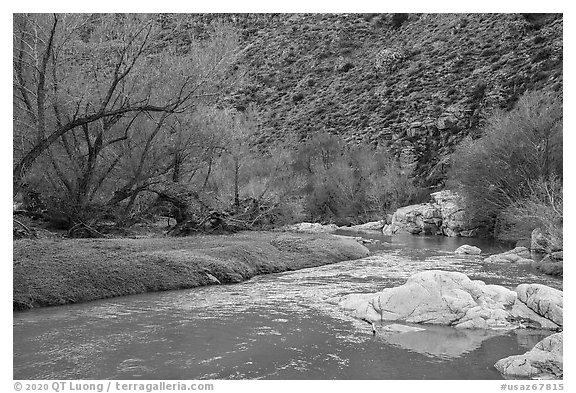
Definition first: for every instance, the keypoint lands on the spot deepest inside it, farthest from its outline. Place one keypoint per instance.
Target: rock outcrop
(517, 255)
(452, 299)
(453, 209)
(443, 215)
(545, 360)
(424, 219)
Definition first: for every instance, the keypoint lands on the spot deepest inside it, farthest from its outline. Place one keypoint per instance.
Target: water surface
(279, 326)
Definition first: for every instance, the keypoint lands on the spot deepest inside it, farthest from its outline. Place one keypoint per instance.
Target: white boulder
(452, 299)
(545, 360)
(467, 249)
(436, 297)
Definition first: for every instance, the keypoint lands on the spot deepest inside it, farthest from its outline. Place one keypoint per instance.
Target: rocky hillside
(417, 83)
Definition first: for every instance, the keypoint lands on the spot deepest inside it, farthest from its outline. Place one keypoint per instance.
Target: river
(278, 326)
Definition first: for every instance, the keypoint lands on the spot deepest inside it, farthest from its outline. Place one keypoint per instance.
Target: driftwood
(82, 226)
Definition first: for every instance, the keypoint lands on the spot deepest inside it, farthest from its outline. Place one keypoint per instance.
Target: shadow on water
(279, 326)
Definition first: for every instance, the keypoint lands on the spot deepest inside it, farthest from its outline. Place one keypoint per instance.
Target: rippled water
(279, 326)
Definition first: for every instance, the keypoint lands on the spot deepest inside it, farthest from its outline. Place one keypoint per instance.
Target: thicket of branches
(512, 174)
(116, 120)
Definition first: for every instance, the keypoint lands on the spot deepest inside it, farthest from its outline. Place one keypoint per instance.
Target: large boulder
(443, 215)
(452, 208)
(545, 360)
(424, 218)
(519, 255)
(452, 299)
(436, 297)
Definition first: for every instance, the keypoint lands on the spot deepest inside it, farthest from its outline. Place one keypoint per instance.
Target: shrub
(341, 181)
(541, 209)
(517, 148)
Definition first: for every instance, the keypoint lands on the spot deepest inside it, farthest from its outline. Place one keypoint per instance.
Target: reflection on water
(279, 326)
(447, 342)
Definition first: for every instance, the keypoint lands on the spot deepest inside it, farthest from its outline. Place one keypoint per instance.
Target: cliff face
(415, 83)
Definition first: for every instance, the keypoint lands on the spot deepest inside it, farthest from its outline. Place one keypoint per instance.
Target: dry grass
(52, 272)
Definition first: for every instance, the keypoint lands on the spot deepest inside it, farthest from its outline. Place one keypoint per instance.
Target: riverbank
(55, 272)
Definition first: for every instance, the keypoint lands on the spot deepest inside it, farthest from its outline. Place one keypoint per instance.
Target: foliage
(477, 63)
(542, 208)
(516, 149)
(109, 114)
(351, 183)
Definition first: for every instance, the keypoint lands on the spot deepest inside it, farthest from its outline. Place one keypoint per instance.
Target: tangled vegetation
(512, 175)
(227, 122)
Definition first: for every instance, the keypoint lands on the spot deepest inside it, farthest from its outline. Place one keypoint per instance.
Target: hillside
(418, 85)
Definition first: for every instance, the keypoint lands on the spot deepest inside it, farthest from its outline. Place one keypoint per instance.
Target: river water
(278, 326)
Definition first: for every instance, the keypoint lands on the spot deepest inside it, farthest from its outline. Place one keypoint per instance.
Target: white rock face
(543, 300)
(452, 208)
(452, 299)
(311, 227)
(436, 297)
(517, 255)
(423, 218)
(443, 215)
(544, 360)
(466, 249)
(529, 318)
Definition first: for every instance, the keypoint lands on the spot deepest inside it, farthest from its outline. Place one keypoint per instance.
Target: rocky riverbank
(56, 272)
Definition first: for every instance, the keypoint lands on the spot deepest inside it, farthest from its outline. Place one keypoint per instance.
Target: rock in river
(466, 249)
(445, 214)
(545, 360)
(452, 299)
(436, 297)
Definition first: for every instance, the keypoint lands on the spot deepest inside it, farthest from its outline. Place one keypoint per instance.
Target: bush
(541, 209)
(358, 183)
(516, 150)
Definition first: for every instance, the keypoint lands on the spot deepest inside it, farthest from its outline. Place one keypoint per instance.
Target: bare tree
(84, 72)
